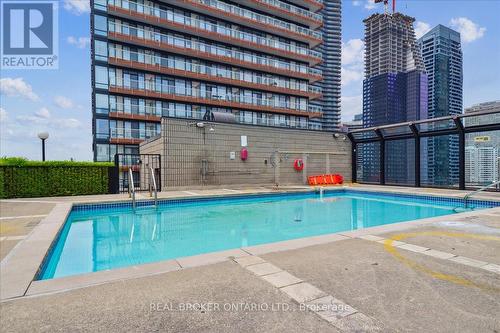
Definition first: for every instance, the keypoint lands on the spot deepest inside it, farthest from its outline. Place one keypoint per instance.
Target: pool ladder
(152, 186)
(131, 188)
(484, 188)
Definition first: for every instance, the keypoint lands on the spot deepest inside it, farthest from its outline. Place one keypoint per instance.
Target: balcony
(170, 93)
(218, 54)
(130, 136)
(134, 116)
(209, 74)
(222, 34)
(286, 10)
(246, 17)
(312, 5)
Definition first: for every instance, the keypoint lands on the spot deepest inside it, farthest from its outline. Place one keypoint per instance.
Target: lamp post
(43, 136)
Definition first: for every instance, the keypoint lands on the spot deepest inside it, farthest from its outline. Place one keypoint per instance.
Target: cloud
(67, 123)
(352, 61)
(352, 51)
(44, 117)
(370, 4)
(421, 28)
(356, 3)
(43, 113)
(351, 105)
(3, 115)
(77, 7)
(80, 42)
(17, 88)
(469, 31)
(64, 102)
(348, 76)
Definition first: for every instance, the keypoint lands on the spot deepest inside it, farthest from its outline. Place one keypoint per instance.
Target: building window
(101, 103)
(101, 77)
(100, 25)
(102, 152)
(102, 129)
(101, 50)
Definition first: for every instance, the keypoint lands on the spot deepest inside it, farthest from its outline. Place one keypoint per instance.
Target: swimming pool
(106, 236)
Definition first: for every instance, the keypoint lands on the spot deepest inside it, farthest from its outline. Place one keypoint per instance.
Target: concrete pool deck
(332, 264)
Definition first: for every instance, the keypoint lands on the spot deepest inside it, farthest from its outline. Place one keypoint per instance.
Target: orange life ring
(298, 164)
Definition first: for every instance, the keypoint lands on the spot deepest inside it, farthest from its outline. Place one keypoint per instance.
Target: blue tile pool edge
(165, 202)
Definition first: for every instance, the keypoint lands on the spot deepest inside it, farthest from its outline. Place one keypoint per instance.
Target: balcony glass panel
(393, 131)
(368, 162)
(482, 159)
(436, 125)
(400, 162)
(439, 161)
(486, 119)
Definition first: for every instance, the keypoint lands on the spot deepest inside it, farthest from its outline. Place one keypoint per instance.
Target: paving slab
(281, 279)
(20, 208)
(263, 269)
(400, 298)
(249, 260)
(413, 248)
(439, 254)
(330, 308)
(468, 261)
(181, 301)
(303, 292)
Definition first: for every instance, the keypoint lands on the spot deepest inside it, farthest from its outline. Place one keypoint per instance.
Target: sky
(59, 101)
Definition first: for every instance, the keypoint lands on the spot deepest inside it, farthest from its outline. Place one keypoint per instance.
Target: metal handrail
(468, 195)
(131, 187)
(154, 187)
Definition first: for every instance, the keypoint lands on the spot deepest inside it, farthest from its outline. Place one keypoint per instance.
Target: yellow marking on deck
(389, 247)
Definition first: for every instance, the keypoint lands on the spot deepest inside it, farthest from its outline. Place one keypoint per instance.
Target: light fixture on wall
(200, 125)
(211, 129)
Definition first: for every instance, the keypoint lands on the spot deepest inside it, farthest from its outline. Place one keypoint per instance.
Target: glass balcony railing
(127, 133)
(222, 6)
(156, 60)
(293, 9)
(215, 50)
(240, 35)
(124, 110)
(211, 95)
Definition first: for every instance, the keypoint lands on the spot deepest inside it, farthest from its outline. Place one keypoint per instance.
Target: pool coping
(19, 269)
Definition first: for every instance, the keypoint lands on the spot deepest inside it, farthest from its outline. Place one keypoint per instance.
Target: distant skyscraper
(482, 151)
(442, 55)
(331, 50)
(394, 90)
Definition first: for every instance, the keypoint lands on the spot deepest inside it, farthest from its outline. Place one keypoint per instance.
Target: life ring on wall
(298, 164)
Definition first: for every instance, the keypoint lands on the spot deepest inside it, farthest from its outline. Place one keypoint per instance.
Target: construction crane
(386, 4)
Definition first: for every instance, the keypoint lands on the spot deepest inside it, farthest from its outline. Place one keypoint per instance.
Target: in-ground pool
(107, 236)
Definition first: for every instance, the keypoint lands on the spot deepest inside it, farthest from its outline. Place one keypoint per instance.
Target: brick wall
(193, 156)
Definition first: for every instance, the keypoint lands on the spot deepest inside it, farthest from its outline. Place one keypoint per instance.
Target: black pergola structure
(459, 125)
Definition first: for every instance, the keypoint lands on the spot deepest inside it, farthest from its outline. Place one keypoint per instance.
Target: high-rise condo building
(331, 50)
(442, 54)
(394, 90)
(256, 61)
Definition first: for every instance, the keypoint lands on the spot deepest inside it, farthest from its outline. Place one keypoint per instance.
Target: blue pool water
(96, 239)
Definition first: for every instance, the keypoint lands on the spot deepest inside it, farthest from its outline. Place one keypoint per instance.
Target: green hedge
(20, 178)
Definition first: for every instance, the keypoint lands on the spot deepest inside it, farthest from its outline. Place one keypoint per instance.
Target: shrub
(21, 178)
